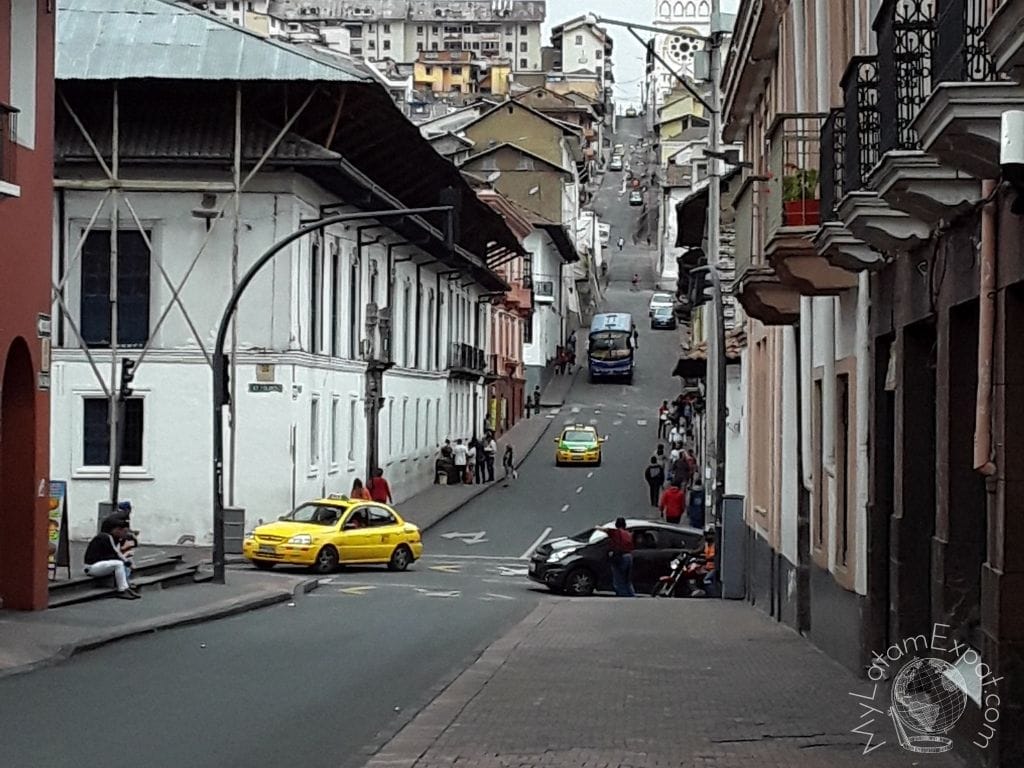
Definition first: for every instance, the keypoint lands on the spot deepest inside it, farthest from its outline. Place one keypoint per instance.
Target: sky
(628, 58)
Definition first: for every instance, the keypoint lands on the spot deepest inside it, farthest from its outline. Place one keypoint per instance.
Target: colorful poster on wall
(57, 529)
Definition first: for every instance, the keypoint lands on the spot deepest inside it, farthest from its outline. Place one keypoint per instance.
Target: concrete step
(155, 573)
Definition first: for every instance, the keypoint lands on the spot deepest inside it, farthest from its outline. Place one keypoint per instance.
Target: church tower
(685, 22)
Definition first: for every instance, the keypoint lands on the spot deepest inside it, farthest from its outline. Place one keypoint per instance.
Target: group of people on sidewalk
(565, 356)
(471, 461)
(672, 474)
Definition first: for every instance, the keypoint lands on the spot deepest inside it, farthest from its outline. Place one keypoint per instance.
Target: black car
(663, 317)
(578, 565)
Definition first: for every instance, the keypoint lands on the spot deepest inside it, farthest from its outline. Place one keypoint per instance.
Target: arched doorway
(17, 479)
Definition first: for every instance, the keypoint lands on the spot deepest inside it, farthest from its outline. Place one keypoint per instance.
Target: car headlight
(302, 538)
(250, 535)
(560, 554)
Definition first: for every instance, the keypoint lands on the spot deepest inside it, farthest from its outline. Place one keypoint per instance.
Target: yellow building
(445, 72)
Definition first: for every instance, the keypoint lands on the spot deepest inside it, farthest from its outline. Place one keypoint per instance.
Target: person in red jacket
(379, 488)
(673, 503)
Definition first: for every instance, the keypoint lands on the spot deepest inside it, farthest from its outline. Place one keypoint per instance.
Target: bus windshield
(610, 345)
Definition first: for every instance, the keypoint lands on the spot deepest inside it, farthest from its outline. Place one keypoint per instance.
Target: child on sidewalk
(508, 463)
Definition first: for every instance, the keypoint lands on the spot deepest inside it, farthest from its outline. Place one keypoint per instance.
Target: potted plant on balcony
(800, 203)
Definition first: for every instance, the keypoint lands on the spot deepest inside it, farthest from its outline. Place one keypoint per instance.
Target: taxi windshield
(578, 436)
(316, 514)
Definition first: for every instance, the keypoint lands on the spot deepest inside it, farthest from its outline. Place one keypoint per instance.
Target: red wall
(25, 258)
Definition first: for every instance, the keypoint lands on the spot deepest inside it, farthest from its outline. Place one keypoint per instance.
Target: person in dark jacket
(655, 477)
(103, 558)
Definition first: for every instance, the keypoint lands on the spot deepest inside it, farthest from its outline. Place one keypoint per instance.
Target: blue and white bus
(610, 346)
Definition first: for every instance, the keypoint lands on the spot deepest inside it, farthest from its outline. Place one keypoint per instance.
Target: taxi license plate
(268, 549)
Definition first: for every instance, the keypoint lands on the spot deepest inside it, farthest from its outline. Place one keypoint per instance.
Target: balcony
(865, 214)
(493, 371)
(8, 150)
(465, 361)
(1004, 41)
(960, 121)
(833, 240)
(906, 177)
(519, 298)
(793, 208)
(763, 295)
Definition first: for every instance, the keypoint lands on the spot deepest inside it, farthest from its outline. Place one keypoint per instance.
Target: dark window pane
(132, 286)
(131, 454)
(95, 296)
(96, 433)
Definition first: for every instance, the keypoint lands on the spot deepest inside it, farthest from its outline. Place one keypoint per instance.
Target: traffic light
(127, 376)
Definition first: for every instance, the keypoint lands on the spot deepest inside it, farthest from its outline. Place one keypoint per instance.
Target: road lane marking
(593, 422)
(446, 568)
(580, 489)
(621, 415)
(467, 538)
(510, 558)
(499, 597)
(641, 422)
(597, 410)
(575, 409)
(504, 570)
(359, 591)
(590, 474)
(537, 543)
(616, 423)
(565, 507)
(450, 593)
(551, 416)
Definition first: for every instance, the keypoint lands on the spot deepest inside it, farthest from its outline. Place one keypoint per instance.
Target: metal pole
(220, 363)
(714, 222)
(115, 236)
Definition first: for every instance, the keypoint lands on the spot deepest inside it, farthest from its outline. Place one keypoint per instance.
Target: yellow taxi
(578, 444)
(335, 531)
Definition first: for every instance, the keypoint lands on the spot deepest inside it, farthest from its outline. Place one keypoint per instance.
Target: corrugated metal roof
(155, 39)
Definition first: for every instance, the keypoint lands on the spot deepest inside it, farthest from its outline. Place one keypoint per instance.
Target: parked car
(663, 317)
(578, 565)
(619, 150)
(636, 197)
(616, 163)
(605, 233)
(335, 531)
(659, 300)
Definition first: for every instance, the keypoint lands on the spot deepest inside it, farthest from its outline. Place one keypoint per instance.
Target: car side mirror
(555, 441)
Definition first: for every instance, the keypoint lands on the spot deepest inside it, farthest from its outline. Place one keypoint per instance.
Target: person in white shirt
(675, 436)
(461, 454)
(490, 451)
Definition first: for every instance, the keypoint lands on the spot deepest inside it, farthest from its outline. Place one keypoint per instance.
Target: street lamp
(220, 362)
(717, 469)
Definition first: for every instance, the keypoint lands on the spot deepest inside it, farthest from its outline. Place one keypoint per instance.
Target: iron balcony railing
(906, 39)
(465, 357)
(749, 242)
(833, 142)
(794, 156)
(860, 108)
(960, 54)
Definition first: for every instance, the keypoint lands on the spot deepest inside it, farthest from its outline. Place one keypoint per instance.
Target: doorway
(17, 480)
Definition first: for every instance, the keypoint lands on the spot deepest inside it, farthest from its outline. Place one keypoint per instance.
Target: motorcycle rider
(707, 553)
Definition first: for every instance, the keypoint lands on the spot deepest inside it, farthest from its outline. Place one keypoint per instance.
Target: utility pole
(716, 373)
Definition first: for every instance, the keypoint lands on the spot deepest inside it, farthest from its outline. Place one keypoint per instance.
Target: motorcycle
(684, 573)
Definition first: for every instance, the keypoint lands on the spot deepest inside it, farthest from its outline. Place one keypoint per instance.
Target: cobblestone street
(608, 682)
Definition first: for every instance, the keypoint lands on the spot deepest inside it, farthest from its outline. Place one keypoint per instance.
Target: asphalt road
(325, 682)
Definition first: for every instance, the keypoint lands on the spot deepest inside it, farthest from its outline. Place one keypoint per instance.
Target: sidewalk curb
(222, 610)
(418, 735)
(560, 403)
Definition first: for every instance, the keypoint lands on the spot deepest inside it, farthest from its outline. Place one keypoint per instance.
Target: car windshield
(578, 436)
(590, 536)
(663, 312)
(661, 298)
(317, 514)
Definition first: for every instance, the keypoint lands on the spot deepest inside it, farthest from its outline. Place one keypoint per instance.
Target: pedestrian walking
(663, 420)
(508, 464)
(655, 477)
(620, 554)
(474, 463)
(536, 400)
(622, 242)
(528, 405)
(461, 458)
(673, 503)
(379, 488)
(635, 281)
(490, 453)
(636, 338)
(359, 491)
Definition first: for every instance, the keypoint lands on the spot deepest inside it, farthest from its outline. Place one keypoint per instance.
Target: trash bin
(234, 530)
